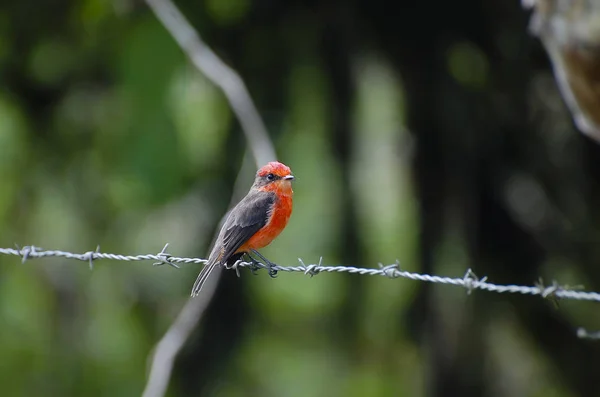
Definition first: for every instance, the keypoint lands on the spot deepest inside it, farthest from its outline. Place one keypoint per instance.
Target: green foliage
(109, 136)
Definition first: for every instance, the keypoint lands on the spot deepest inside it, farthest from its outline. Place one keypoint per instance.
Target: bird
(254, 222)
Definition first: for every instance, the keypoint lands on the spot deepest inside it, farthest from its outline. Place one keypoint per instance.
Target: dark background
(428, 132)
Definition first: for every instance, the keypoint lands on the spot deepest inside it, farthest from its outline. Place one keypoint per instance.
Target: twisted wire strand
(469, 281)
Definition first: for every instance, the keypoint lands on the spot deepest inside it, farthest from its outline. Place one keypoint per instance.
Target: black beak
(288, 178)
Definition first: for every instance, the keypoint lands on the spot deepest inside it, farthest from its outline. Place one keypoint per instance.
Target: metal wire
(469, 281)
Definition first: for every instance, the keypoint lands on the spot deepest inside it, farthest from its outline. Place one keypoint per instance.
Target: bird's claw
(267, 264)
(271, 270)
(254, 265)
(254, 269)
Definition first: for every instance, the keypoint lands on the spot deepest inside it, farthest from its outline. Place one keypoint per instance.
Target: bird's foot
(271, 269)
(268, 264)
(254, 265)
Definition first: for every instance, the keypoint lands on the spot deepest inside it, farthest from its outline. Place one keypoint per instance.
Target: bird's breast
(280, 214)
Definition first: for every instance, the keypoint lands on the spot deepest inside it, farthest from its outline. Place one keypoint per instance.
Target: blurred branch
(180, 330)
(263, 151)
(208, 62)
(175, 337)
(570, 32)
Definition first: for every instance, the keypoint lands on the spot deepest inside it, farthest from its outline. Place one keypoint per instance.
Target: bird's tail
(202, 277)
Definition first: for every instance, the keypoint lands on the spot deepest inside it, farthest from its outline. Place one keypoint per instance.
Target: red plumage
(255, 221)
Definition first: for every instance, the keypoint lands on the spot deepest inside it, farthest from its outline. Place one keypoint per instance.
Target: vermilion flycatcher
(254, 222)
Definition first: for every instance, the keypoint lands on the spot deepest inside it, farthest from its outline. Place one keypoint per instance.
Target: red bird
(254, 222)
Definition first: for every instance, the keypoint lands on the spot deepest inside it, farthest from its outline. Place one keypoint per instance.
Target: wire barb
(391, 271)
(582, 333)
(164, 258)
(235, 266)
(311, 270)
(26, 252)
(90, 256)
(471, 281)
(549, 292)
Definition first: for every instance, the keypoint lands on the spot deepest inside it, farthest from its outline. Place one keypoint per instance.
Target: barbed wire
(469, 281)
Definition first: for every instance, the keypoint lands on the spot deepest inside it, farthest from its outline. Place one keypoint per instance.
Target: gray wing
(248, 217)
(243, 221)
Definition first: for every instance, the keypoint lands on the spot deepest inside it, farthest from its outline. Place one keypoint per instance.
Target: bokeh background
(432, 133)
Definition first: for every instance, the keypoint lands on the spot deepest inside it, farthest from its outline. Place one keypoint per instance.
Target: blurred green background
(426, 132)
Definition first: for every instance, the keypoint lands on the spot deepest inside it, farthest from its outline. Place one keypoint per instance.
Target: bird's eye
(270, 177)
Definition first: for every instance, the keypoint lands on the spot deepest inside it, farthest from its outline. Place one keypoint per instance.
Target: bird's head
(274, 176)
